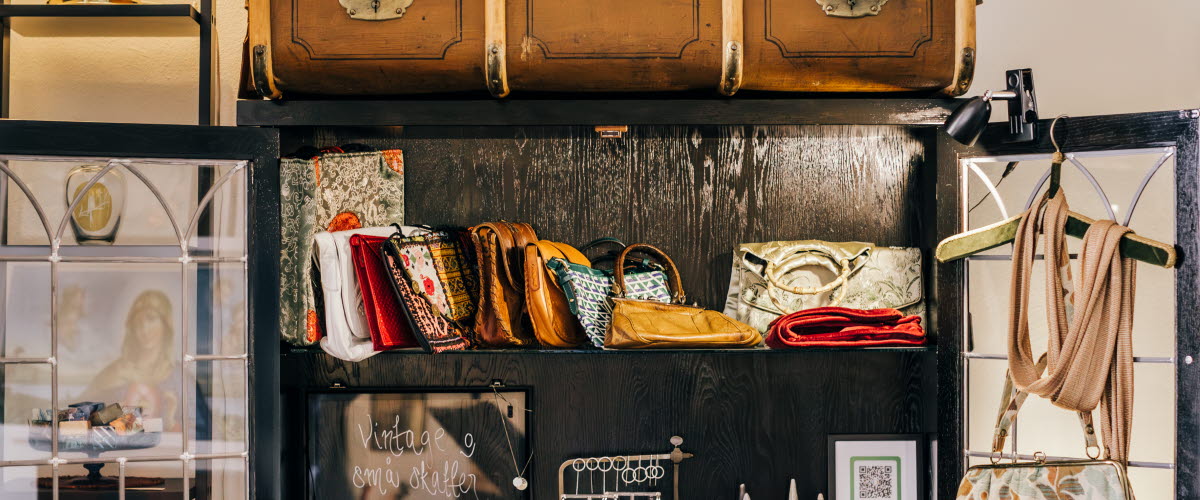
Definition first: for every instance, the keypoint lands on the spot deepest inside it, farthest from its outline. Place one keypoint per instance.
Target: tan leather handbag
(549, 312)
(647, 324)
(500, 248)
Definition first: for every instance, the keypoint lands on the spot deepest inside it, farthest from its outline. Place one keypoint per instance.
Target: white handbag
(347, 335)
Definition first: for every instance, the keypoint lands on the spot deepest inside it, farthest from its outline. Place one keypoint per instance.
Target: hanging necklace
(519, 482)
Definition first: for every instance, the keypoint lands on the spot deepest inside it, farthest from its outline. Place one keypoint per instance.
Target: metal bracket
(852, 8)
(1022, 108)
(261, 74)
(376, 10)
(612, 131)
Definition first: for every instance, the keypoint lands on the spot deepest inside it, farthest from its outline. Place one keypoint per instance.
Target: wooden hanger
(991, 236)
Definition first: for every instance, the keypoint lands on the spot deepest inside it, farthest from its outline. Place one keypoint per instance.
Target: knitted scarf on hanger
(1089, 359)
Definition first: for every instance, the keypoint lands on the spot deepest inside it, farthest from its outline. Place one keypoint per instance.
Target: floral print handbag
(780, 277)
(1042, 479)
(329, 192)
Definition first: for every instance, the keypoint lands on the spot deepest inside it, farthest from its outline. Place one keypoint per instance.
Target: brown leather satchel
(646, 324)
(500, 247)
(549, 312)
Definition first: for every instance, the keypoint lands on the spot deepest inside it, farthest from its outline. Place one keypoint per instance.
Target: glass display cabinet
(124, 311)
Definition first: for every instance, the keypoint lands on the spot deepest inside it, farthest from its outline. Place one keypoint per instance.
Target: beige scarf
(1089, 359)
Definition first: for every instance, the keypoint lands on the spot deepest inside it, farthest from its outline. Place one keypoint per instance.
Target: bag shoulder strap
(1011, 399)
(673, 280)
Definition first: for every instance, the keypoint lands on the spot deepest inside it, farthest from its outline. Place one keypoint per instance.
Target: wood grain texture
(695, 192)
(637, 109)
(750, 417)
(756, 417)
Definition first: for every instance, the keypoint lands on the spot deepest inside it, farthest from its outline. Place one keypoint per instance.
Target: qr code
(876, 482)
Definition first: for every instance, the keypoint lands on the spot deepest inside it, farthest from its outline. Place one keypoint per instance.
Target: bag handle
(1010, 403)
(607, 240)
(673, 281)
(807, 258)
(512, 237)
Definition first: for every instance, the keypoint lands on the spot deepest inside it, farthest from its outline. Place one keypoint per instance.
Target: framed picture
(419, 443)
(877, 467)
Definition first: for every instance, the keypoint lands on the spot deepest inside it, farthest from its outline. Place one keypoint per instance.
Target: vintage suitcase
(393, 47)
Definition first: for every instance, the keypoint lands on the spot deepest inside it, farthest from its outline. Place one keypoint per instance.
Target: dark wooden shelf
(664, 110)
(102, 20)
(637, 352)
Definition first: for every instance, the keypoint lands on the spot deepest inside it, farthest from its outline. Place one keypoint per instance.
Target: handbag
(433, 327)
(328, 192)
(554, 325)
(388, 326)
(780, 277)
(1088, 363)
(649, 324)
(843, 327)
(500, 248)
(347, 334)
(1043, 479)
(587, 289)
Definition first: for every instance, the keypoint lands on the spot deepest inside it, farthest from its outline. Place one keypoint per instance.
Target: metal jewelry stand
(632, 471)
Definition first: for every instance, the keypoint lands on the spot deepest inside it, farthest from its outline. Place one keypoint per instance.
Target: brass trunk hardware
(376, 10)
(611, 131)
(852, 8)
(495, 47)
(732, 48)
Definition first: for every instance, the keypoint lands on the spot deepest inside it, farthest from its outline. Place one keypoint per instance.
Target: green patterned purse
(588, 289)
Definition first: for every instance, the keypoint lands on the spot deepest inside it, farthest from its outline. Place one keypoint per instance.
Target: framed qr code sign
(877, 467)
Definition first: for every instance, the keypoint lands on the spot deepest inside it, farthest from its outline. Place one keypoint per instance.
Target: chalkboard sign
(417, 445)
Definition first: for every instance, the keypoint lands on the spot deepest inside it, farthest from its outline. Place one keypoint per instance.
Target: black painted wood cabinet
(695, 178)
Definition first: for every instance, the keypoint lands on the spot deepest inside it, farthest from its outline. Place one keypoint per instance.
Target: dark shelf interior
(607, 109)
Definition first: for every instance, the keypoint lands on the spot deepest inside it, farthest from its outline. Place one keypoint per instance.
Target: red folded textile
(845, 327)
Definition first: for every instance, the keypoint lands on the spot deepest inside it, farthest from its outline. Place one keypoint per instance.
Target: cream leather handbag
(780, 277)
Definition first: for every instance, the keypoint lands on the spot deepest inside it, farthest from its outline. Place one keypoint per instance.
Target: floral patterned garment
(1095, 481)
(340, 191)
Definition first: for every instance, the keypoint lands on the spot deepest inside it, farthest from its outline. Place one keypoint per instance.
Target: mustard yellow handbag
(648, 324)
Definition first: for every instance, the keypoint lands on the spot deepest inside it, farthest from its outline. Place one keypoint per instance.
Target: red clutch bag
(385, 319)
(845, 327)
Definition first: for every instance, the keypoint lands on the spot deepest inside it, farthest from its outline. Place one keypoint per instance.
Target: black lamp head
(966, 123)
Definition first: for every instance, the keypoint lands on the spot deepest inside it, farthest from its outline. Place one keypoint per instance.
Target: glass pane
(27, 414)
(132, 354)
(20, 483)
(217, 298)
(1152, 484)
(986, 381)
(1153, 436)
(220, 230)
(217, 407)
(223, 479)
(27, 311)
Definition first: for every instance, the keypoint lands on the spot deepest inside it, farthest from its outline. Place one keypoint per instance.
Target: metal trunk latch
(851, 8)
(376, 10)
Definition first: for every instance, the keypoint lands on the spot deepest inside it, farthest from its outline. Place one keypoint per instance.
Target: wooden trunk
(392, 47)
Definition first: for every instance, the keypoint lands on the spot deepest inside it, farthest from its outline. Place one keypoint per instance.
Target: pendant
(520, 483)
